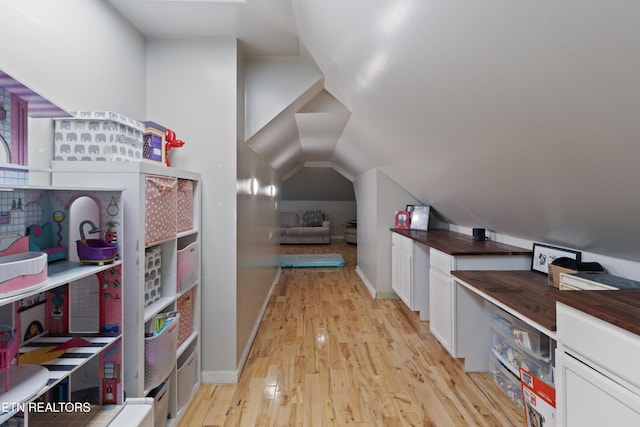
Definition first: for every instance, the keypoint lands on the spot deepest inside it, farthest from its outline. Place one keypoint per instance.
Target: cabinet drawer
(613, 348)
(441, 261)
(401, 242)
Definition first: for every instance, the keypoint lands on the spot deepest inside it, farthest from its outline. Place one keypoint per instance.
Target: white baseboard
(366, 282)
(219, 377)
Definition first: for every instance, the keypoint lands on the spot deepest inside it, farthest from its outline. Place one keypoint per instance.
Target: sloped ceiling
(521, 117)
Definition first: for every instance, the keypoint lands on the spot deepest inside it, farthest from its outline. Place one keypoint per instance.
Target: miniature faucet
(94, 228)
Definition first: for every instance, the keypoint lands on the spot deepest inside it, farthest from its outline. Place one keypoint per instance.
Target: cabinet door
(440, 315)
(401, 274)
(589, 398)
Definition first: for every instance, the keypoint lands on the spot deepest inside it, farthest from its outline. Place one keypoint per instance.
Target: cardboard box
(98, 136)
(539, 401)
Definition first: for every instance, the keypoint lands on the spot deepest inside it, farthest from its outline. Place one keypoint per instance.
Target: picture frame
(409, 208)
(403, 220)
(420, 217)
(543, 255)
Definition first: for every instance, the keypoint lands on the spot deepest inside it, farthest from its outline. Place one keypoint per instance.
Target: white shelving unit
(90, 369)
(142, 238)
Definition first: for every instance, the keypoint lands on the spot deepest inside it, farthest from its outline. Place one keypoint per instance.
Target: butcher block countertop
(620, 308)
(528, 293)
(456, 244)
(524, 291)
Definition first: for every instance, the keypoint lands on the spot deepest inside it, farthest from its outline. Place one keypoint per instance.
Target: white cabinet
(442, 288)
(162, 243)
(401, 267)
(63, 318)
(440, 320)
(598, 380)
(409, 273)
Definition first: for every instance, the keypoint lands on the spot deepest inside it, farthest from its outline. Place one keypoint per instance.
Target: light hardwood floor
(327, 354)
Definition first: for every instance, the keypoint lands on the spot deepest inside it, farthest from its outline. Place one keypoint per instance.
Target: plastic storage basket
(160, 354)
(188, 266)
(187, 379)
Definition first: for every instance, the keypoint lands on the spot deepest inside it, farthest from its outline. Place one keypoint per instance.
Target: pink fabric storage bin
(185, 205)
(160, 208)
(188, 266)
(185, 309)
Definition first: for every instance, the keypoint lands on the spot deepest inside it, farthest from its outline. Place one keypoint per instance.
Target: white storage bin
(161, 404)
(188, 266)
(98, 136)
(152, 278)
(187, 379)
(160, 354)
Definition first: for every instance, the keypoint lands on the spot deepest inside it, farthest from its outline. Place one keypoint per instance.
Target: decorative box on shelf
(154, 143)
(98, 136)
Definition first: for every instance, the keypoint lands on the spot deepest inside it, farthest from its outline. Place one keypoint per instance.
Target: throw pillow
(312, 218)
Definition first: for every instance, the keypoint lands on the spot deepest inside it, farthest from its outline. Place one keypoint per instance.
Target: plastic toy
(171, 142)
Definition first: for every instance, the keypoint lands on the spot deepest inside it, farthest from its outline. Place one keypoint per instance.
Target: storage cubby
(162, 211)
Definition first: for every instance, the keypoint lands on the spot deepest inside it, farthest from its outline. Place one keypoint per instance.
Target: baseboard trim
(366, 282)
(219, 377)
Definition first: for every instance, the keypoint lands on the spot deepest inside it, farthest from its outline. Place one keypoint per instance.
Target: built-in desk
(422, 263)
(522, 294)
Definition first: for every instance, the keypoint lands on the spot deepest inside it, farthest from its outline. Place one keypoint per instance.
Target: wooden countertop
(524, 291)
(453, 243)
(620, 308)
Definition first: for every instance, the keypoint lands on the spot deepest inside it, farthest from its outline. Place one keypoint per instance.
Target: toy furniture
(41, 239)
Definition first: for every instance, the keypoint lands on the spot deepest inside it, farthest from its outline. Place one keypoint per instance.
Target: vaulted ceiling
(520, 117)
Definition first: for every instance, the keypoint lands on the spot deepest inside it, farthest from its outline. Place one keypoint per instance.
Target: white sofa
(305, 227)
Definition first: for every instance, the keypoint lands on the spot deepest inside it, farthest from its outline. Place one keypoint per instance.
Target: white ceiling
(521, 117)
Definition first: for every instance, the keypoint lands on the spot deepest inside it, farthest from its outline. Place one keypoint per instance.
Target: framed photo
(403, 219)
(420, 217)
(543, 255)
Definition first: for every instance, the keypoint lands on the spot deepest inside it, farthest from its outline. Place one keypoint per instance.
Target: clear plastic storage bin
(507, 382)
(520, 333)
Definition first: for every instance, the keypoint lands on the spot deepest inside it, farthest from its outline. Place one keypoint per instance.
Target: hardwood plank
(326, 354)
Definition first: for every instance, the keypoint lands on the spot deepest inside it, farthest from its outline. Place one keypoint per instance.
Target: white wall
(378, 198)
(257, 238)
(57, 49)
(339, 212)
(191, 88)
